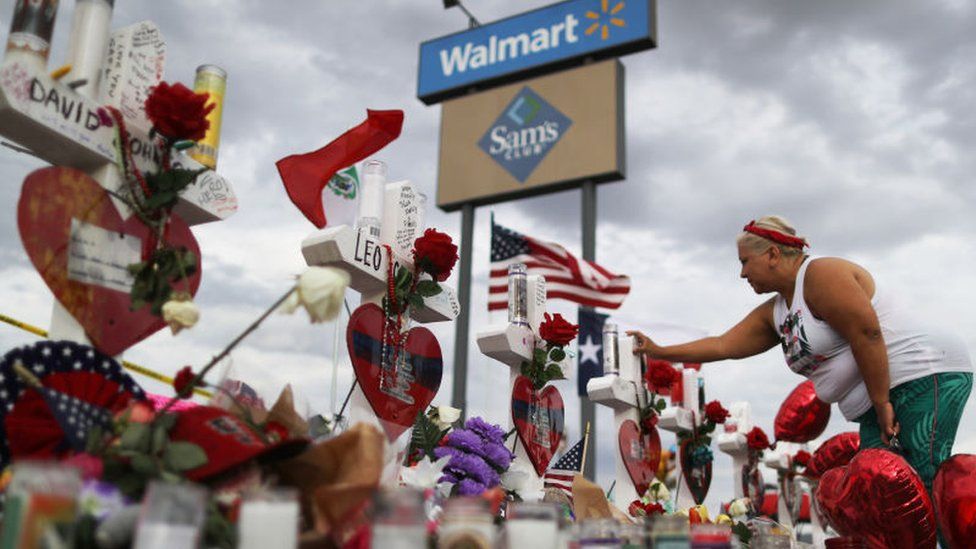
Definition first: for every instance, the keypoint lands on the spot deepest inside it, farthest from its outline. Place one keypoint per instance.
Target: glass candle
(467, 523)
(611, 351)
(371, 201)
(399, 519)
(532, 523)
(518, 307)
(172, 516)
(269, 518)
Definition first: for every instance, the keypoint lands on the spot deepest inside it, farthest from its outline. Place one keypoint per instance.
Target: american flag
(560, 474)
(582, 282)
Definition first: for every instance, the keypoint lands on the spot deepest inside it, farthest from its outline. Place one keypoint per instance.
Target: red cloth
(305, 175)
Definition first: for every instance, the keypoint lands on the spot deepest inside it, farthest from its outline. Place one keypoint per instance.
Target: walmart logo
(605, 19)
(524, 133)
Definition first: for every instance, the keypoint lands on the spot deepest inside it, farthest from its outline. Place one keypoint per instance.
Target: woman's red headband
(775, 236)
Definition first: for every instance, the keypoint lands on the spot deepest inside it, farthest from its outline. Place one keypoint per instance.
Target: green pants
(928, 410)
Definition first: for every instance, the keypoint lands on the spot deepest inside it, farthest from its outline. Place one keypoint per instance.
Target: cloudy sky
(852, 119)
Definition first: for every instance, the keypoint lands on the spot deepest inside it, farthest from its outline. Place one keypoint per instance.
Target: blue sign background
(597, 30)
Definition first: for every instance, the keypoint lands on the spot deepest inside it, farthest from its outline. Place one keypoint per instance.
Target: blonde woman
(839, 328)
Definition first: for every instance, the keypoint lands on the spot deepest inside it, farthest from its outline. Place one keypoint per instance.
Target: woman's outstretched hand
(644, 344)
(886, 420)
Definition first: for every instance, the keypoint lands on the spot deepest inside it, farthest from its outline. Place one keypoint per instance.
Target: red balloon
(954, 490)
(802, 416)
(836, 451)
(879, 497)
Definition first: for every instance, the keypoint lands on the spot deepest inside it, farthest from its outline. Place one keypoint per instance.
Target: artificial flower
(801, 458)
(446, 416)
(184, 378)
(739, 507)
(757, 439)
(177, 112)
(723, 519)
(435, 254)
(715, 412)
(660, 374)
(90, 467)
(556, 330)
(179, 312)
(522, 479)
(638, 508)
(425, 474)
(649, 422)
(321, 291)
(657, 491)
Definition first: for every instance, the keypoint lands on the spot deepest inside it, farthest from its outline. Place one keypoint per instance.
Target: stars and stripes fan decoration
(560, 474)
(62, 390)
(568, 278)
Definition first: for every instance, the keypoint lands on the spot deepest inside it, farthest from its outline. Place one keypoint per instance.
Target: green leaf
(166, 421)
(131, 484)
(144, 465)
(160, 435)
(539, 356)
(553, 371)
(557, 354)
(741, 530)
(183, 456)
(428, 288)
(660, 405)
(415, 301)
(136, 437)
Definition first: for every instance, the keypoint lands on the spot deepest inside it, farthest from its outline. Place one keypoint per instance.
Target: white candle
(373, 188)
(539, 534)
(689, 383)
(266, 524)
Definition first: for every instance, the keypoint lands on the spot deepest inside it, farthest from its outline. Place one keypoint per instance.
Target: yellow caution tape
(125, 363)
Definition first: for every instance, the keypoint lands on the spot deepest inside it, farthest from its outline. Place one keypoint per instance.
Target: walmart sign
(533, 43)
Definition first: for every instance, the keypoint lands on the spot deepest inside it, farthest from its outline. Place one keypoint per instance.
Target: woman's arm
(840, 293)
(754, 334)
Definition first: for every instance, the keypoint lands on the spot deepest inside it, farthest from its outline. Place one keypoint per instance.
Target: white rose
(446, 416)
(321, 291)
(425, 474)
(739, 507)
(180, 314)
(658, 491)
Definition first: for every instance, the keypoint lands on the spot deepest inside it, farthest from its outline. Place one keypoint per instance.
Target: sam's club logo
(524, 133)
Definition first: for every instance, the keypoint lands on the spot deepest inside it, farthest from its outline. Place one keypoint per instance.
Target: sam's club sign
(533, 43)
(524, 134)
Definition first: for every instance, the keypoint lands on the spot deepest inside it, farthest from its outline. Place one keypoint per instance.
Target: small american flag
(75, 417)
(568, 278)
(560, 475)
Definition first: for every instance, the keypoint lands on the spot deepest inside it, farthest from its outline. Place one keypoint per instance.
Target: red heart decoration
(641, 454)
(698, 478)
(539, 417)
(396, 399)
(50, 199)
(879, 497)
(835, 451)
(802, 416)
(954, 491)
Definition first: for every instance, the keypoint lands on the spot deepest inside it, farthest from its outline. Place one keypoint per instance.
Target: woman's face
(755, 268)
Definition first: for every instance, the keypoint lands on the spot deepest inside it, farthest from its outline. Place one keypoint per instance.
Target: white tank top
(814, 350)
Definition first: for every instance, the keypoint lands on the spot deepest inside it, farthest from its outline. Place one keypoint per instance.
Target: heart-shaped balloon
(954, 491)
(802, 416)
(698, 476)
(835, 451)
(641, 453)
(80, 245)
(539, 417)
(397, 393)
(880, 497)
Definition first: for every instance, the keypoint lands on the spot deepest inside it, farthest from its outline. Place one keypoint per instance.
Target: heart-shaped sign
(80, 245)
(397, 393)
(539, 417)
(641, 454)
(698, 477)
(954, 491)
(880, 497)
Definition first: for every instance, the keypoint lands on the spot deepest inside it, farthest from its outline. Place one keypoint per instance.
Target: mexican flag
(340, 197)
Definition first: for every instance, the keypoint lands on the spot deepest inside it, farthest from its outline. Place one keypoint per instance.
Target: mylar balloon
(802, 416)
(954, 491)
(836, 451)
(879, 497)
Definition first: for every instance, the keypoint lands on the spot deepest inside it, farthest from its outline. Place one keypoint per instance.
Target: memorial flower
(757, 439)
(801, 458)
(556, 330)
(660, 374)
(445, 416)
(478, 457)
(182, 380)
(639, 508)
(425, 474)
(178, 113)
(320, 290)
(180, 312)
(435, 254)
(715, 412)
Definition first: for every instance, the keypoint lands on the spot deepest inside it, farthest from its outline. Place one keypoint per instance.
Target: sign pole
(460, 383)
(587, 408)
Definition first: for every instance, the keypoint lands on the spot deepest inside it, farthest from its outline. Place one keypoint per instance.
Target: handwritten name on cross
(621, 388)
(58, 121)
(733, 442)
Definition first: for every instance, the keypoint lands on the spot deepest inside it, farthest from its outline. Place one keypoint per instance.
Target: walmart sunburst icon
(603, 20)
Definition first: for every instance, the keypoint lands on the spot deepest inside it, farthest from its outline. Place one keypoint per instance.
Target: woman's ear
(775, 254)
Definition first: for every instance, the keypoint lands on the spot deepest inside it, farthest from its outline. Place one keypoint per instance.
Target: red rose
(653, 508)
(556, 330)
(435, 253)
(715, 413)
(182, 380)
(757, 439)
(802, 458)
(178, 113)
(649, 422)
(660, 374)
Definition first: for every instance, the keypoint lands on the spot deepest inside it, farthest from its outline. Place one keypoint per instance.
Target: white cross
(683, 416)
(733, 442)
(511, 344)
(365, 259)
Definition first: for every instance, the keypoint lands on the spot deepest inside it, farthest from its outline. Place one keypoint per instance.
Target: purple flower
(468, 441)
(497, 455)
(468, 487)
(485, 430)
